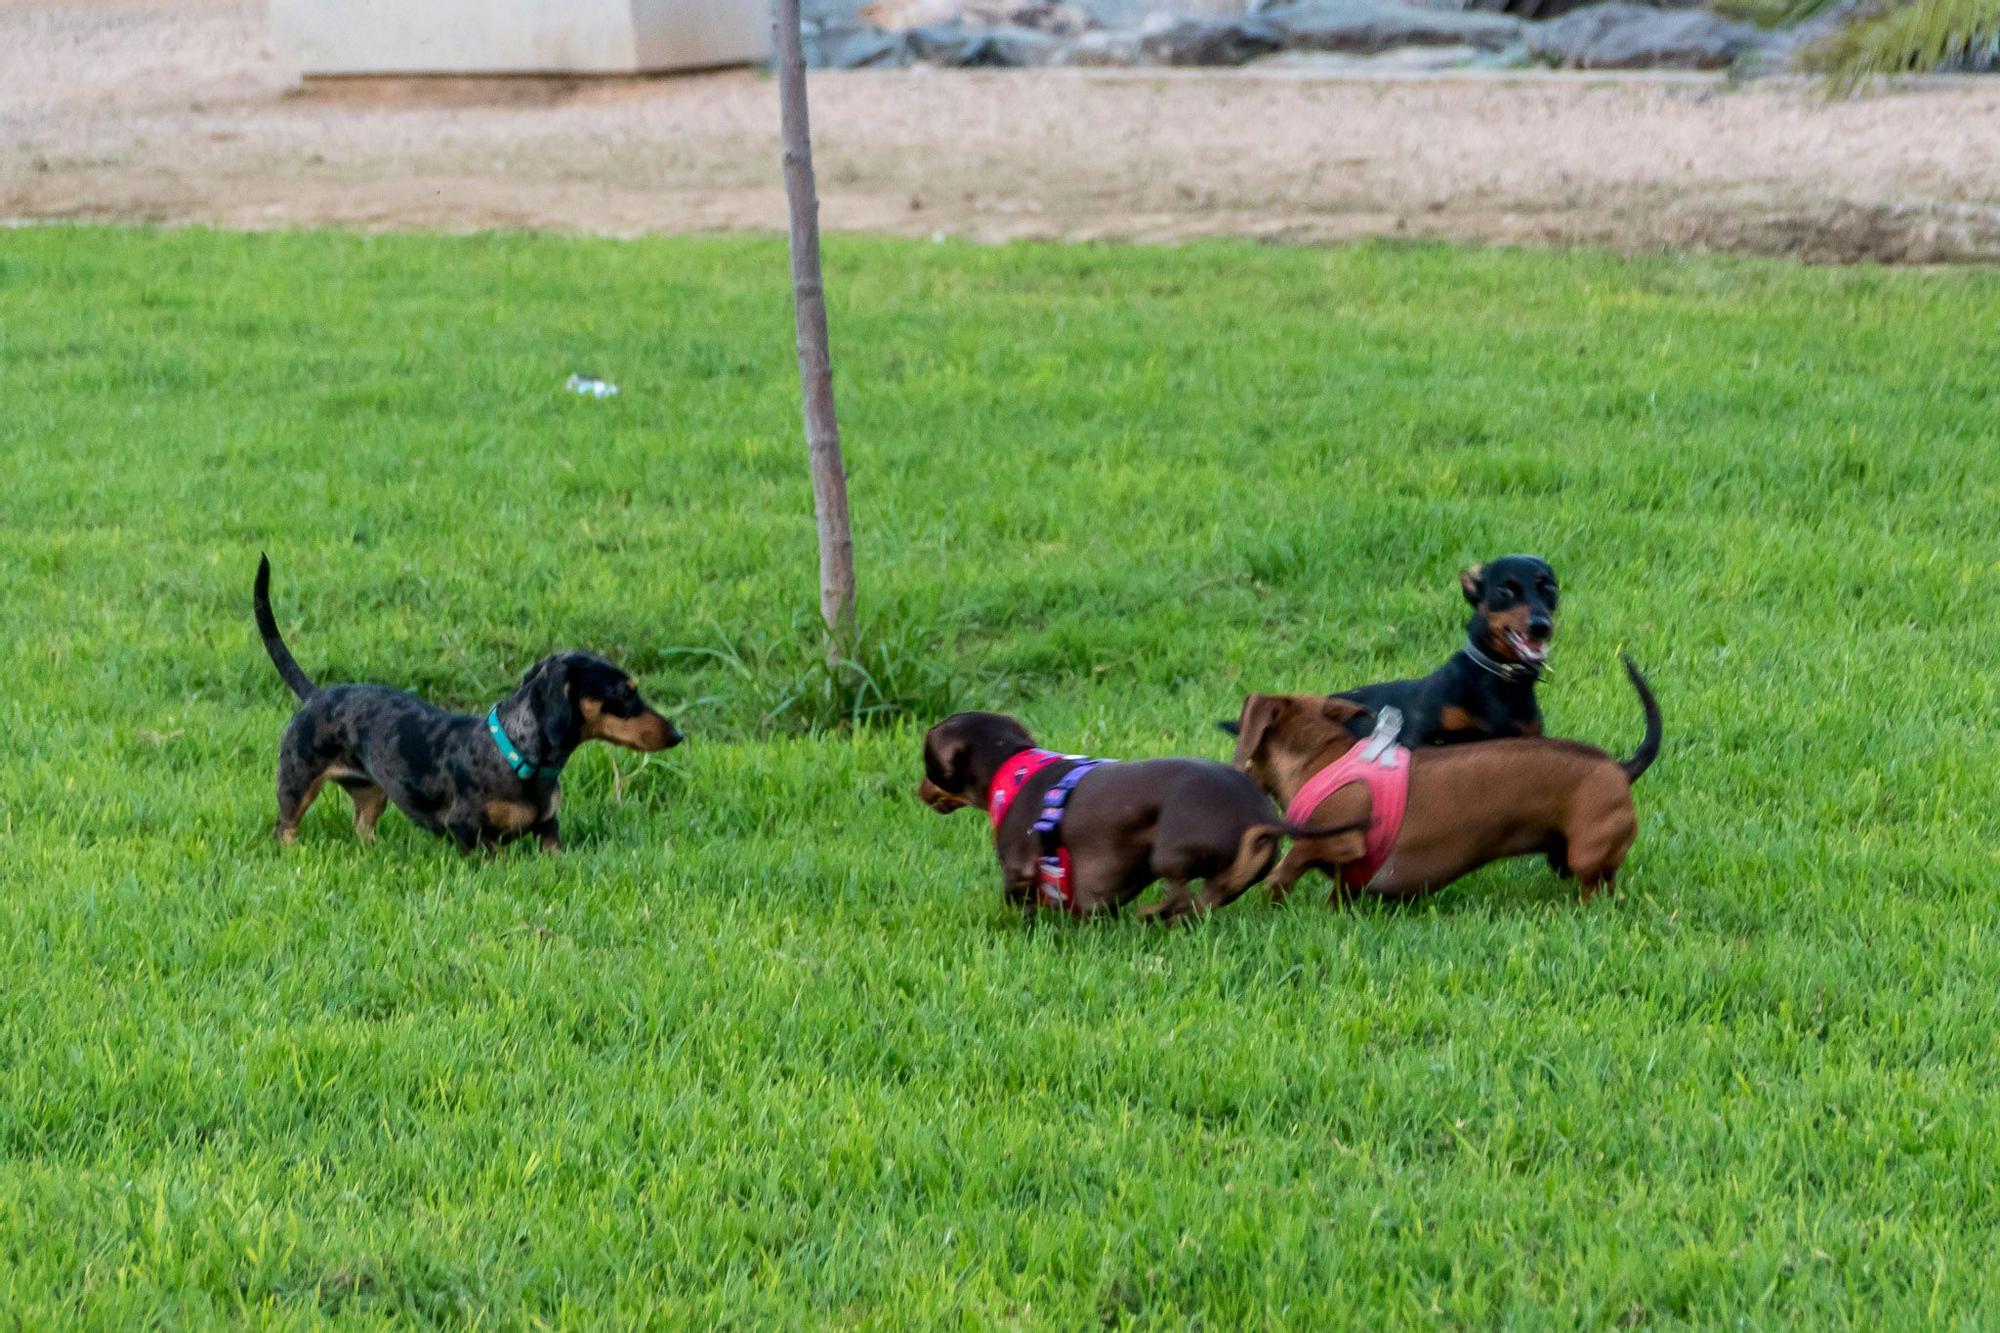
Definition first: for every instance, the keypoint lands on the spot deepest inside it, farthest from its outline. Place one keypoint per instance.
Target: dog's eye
(1511, 591)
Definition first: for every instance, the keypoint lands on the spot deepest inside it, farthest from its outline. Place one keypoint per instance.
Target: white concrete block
(519, 36)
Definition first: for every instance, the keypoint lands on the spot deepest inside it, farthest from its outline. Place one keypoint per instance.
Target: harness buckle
(1381, 744)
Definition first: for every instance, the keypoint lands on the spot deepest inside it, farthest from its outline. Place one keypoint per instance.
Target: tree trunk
(829, 477)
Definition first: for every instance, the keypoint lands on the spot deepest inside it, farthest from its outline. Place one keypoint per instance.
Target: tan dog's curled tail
(1259, 847)
(1649, 748)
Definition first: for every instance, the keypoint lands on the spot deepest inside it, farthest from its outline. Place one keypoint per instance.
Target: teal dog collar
(523, 770)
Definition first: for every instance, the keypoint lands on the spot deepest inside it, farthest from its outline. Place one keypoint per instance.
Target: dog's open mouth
(1526, 649)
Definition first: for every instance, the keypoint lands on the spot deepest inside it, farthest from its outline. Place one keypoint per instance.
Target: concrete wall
(519, 36)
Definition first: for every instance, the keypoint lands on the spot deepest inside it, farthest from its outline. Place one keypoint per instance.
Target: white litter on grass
(591, 387)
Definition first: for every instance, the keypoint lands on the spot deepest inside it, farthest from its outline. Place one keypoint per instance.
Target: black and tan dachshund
(1485, 690)
(482, 782)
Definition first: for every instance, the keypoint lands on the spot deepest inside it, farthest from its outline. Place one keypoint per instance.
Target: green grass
(764, 1049)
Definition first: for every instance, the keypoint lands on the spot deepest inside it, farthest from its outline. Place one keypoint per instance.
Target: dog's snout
(938, 799)
(1540, 627)
(654, 733)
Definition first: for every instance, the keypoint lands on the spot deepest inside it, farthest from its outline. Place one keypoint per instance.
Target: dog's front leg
(550, 833)
(465, 830)
(1018, 886)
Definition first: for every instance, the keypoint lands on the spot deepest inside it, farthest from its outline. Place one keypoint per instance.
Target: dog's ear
(548, 686)
(1343, 711)
(948, 762)
(1472, 582)
(1253, 726)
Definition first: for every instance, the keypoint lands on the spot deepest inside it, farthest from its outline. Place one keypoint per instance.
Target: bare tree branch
(829, 476)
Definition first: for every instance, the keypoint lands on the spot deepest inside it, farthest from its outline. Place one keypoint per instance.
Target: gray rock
(1051, 16)
(830, 13)
(1786, 47)
(1619, 35)
(1983, 57)
(1139, 13)
(1208, 42)
(1399, 60)
(856, 46)
(952, 45)
(957, 46)
(1115, 47)
(1364, 27)
(1541, 9)
(1023, 48)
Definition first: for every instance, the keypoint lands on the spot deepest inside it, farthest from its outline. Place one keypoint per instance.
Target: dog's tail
(267, 625)
(1649, 748)
(1320, 831)
(1259, 846)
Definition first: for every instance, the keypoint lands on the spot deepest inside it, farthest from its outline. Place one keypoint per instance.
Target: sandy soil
(179, 111)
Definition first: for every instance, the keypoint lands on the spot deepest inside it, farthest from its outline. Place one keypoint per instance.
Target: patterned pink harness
(1053, 875)
(1384, 767)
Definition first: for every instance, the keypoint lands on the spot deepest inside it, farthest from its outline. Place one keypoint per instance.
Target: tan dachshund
(1435, 814)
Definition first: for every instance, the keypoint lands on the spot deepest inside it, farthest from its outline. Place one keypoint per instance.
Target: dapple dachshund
(1431, 815)
(1087, 837)
(481, 781)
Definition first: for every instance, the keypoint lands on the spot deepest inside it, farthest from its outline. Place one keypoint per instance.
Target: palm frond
(1908, 37)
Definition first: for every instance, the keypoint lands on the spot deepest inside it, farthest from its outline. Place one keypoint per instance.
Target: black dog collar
(1512, 672)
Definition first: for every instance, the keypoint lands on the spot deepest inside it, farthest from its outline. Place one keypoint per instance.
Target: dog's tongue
(1531, 652)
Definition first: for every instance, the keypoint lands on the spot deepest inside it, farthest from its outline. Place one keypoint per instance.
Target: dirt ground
(180, 111)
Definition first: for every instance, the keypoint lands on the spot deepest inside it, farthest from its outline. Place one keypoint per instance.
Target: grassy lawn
(764, 1049)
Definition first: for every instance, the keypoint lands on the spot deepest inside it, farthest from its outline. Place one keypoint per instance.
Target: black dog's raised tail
(267, 625)
(1649, 748)
(1296, 831)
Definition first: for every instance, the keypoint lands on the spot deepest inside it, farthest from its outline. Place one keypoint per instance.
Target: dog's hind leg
(1177, 904)
(296, 793)
(309, 754)
(1595, 860)
(369, 803)
(1255, 852)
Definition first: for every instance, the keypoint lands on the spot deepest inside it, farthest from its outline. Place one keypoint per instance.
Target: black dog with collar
(482, 781)
(1487, 688)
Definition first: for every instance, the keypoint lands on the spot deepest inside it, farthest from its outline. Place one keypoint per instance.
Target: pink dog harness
(1384, 767)
(1052, 866)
